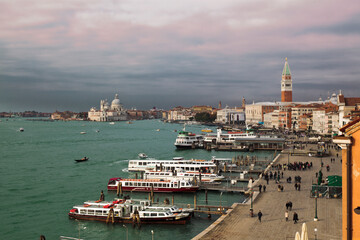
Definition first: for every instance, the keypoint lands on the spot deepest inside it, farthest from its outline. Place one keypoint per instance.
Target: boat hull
(168, 220)
(155, 189)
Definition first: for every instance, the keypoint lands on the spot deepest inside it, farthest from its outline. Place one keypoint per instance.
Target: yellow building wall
(344, 194)
(356, 182)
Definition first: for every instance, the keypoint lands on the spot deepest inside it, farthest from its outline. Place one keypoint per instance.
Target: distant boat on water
(208, 130)
(111, 123)
(82, 160)
(21, 129)
(82, 132)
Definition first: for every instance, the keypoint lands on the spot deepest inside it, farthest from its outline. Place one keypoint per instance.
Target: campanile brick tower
(286, 84)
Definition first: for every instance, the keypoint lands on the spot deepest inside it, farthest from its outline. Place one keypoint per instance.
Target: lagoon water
(40, 181)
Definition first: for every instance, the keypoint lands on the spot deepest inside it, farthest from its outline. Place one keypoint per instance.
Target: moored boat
(127, 212)
(152, 185)
(187, 175)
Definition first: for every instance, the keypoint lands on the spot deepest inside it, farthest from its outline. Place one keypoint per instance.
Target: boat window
(82, 211)
(144, 184)
(161, 214)
(91, 212)
(153, 214)
(144, 163)
(126, 184)
(146, 214)
(98, 212)
(155, 184)
(182, 184)
(140, 163)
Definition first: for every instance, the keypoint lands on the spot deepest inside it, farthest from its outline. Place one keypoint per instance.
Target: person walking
(264, 188)
(299, 186)
(295, 217)
(259, 215)
(286, 215)
(287, 205)
(290, 206)
(260, 187)
(296, 186)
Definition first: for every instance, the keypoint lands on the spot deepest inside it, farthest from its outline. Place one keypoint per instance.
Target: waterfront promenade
(239, 225)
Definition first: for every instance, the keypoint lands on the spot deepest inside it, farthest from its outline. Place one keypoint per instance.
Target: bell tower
(286, 83)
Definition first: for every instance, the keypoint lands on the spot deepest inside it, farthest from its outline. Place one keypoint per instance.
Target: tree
(205, 117)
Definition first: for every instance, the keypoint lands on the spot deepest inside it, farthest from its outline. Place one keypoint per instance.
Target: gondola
(82, 160)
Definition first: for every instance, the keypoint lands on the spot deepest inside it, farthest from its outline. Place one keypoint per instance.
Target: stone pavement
(239, 225)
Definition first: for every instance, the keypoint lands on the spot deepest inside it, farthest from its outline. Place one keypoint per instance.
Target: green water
(40, 181)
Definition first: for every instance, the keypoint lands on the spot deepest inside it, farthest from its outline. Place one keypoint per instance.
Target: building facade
(350, 145)
(107, 112)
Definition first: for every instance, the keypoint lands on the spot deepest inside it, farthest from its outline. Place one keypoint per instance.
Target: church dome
(116, 104)
(116, 101)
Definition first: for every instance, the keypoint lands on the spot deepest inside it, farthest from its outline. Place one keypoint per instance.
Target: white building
(271, 119)
(230, 116)
(108, 113)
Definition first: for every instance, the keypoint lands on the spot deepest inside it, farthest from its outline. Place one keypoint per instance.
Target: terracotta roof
(352, 101)
(343, 129)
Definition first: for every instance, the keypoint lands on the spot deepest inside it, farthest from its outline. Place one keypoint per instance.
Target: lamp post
(127, 233)
(288, 159)
(220, 200)
(315, 230)
(251, 204)
(152, 234)
(316, 196)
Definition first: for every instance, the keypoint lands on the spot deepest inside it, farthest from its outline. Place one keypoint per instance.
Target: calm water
(40, 180)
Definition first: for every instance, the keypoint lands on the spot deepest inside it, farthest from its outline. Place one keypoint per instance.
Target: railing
(326, 191)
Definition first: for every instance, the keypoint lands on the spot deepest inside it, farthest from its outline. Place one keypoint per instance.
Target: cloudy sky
(69, 54)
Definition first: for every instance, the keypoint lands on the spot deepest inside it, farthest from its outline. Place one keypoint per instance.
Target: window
(153, 214)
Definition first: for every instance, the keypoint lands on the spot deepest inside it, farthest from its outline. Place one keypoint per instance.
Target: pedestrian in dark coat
(296, 186)
(295, 217)
(260, 186)
(290, 206)
(102, 196)
(259, 215)
(287, 205)
(299, 186)
(264, 188)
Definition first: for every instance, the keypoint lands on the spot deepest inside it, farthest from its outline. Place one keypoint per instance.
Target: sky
(70, 54)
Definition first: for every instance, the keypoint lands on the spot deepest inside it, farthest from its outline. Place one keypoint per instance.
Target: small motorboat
(142, 156)
(82, 160)
(82, 132)
(111, 123)
(21, 129)
(207, 130)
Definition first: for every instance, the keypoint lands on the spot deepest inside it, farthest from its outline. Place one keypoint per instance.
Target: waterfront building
(285, 117)
(198, 109)
(346, 106)
(255, 112)
(286, 83)
(305, 122)
(350, 145)
(271, 119)
(230, 116)
(107, 112)
(181, 114)
(300, 110)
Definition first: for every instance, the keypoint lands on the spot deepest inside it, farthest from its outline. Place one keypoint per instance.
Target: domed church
(107, 112)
